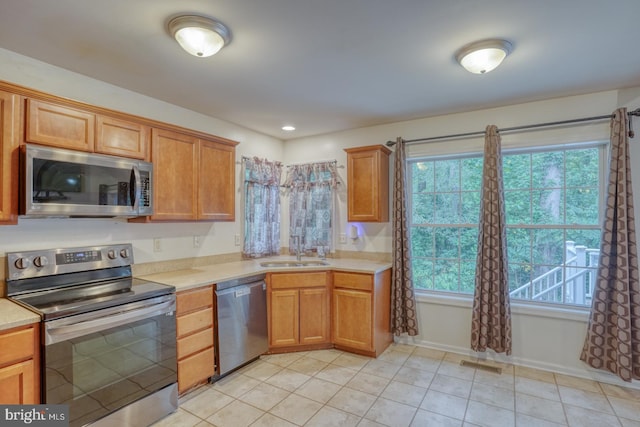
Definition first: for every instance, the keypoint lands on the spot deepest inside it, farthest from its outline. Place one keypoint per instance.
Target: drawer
(298, 280)
(187, 301)
(16, 345)
(195, 369)
(362, 282)
(195, 343)
(195, 321)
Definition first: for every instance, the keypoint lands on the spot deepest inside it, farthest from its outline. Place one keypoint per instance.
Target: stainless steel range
(108, 339)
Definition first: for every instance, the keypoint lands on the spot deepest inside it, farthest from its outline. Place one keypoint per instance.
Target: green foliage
(544, 192)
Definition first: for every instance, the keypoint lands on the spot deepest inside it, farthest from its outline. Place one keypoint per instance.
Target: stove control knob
(124, 253)
(40, 261)
(111, 254)
(22, 263)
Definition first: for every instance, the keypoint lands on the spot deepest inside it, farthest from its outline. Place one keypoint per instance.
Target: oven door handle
(107, 320)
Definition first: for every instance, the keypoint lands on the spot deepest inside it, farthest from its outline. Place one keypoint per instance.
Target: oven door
(102, 361)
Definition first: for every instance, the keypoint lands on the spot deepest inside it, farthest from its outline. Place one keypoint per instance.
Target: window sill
(576, 314)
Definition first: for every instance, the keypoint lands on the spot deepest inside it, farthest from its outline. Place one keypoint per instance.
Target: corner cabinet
(299, 311)
(194, 329)
(361, 312)
(368, 184)
(20, 366)
(9, 141)
(194, 179)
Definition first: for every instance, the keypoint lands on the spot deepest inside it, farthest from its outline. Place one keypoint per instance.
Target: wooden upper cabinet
(194, 179)
(368, 184)
(121, 138)
(175, 171)
(216, 195)
(59, 126)
(9, 141)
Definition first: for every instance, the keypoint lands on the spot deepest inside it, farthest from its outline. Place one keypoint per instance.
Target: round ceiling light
(199, 35)
(483, 56)
(288, 128)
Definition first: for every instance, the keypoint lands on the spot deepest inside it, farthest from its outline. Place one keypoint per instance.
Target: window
(553, 202)
(311, 202)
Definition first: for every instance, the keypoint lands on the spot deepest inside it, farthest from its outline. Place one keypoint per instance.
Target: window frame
(603, 147)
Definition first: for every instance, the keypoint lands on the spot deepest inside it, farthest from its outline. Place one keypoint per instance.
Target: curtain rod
(312, 163)
(635, 112)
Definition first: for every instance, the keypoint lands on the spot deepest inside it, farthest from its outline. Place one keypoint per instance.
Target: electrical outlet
(196, 241)
(237, 239)
(343, 238)
(157, 245)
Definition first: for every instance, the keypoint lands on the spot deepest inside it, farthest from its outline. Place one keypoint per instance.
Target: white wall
(176, 238)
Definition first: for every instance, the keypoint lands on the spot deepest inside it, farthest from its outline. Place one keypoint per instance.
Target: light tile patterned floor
(405, 386)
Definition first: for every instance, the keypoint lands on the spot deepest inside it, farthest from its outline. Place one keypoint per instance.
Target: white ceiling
(328, 65)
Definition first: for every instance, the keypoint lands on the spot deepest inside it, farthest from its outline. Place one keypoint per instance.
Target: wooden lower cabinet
(353, 319)
(361, 312)
(19, 366)
(195, 346)
(299, 310)
(16, 384)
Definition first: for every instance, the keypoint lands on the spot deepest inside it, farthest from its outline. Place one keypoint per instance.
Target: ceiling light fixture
(199, 35)
(288, 128)
(483, 56)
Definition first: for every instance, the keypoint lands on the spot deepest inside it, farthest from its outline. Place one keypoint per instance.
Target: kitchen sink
(293, 263)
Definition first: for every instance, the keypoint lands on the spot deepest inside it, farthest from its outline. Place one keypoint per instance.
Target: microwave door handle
(137, 192)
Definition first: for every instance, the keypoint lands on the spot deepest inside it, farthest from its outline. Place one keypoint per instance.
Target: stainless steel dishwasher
(242, 321)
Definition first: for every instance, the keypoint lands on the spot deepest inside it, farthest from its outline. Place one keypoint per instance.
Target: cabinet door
(121, 138)
(9, 125)
(174, 158)
(17, 384)
(195, 369)
(368, 184)
(314, 316)
(352, 319)
(285, 311)
(216, 199)
(59, 126)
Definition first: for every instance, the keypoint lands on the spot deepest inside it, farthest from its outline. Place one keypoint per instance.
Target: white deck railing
(570, 283)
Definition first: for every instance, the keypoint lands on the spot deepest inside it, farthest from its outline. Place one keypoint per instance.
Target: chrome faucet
(298, 247)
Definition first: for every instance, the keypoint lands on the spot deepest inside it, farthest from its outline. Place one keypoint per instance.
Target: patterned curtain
(491, 318)
(613, 336)
(311, 205)
(403, 301)
(261, 207)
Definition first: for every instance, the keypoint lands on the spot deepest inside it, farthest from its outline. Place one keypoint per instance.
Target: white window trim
(519, 306)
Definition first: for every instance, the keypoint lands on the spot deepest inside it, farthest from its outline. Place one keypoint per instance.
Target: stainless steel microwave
(67, 183)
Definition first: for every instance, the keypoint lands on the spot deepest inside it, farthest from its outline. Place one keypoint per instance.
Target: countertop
(13, 314)
(216, 273)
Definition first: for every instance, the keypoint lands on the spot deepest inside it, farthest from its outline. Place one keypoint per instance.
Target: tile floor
(405, 386)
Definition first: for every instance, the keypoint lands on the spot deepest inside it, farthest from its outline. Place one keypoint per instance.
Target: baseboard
(586, 373)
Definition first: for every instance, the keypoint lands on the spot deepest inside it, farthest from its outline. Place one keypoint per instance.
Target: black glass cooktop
(62, 302)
